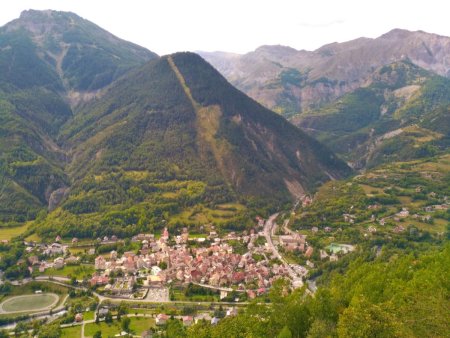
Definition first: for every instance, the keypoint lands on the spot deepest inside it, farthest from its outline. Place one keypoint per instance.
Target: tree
(285, 333)
(108, 317)
(322, 329)
(126, 324)
(175, 329)
(202, 329)
(50, 331)
(98, 334)
(363, 319)
(20, 327)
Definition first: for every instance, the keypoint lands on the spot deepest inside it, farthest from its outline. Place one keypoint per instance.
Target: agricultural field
(77, 271)
(200, 214)
(10, 232)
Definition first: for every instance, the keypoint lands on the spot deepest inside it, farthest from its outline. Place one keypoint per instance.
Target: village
(243, 263)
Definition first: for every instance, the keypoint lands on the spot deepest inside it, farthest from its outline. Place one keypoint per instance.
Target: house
(58, 263)
(333, 258)
(153, 280)
(202, 316)
(162, 319)
(72, 260)
(55, 249)
(33, 260)
(74, 240)
(187, 320)
(309, 251)
(184, 237)
(403, 213)
(215, 321)
(372, 229)
(99, 280)
(349, 218)
(293, 242)
(42, 266)
(232, 311)
(78, 317)
(103, 312)
(251, 294)
(100, 263)
(399, 229)
(323, 254)
(165, 235)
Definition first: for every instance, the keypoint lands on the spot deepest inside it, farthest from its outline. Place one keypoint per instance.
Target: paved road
(269, 231)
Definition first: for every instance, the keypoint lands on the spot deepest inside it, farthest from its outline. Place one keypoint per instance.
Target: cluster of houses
(215, 265)
(162, 318)
(294, 242)
(55, 256)
(219, 266)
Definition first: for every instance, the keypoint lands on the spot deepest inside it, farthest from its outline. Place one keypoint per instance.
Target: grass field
(29, 303)
(34, 237)
(78, 271)
(88, 315)
(137, 326)
(71, 332)
(202, 215)
(107, 330)
(8, 233)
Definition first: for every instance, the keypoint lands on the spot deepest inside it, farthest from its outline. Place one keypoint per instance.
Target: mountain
(291, 81)
(400, 113)
(85, 57)
(50, 63)
(174, 137)
(113, 139)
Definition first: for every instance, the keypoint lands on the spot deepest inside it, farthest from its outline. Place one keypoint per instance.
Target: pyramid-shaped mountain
(179, 112)
(172, 141)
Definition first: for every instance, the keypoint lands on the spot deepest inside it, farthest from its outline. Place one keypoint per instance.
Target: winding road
(269, 231)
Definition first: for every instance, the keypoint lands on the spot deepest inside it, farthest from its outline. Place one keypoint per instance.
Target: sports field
(29, 303)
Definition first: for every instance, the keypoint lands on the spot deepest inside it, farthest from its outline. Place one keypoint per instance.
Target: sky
(240, 26)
